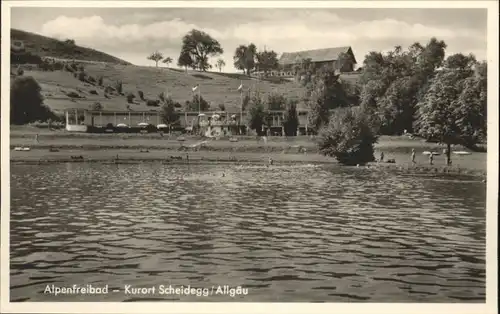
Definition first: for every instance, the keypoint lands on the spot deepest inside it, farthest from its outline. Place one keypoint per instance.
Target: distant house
(319, 57)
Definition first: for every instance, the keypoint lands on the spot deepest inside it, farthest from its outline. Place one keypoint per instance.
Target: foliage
(26, 102)
(168, 114)
(276, 101)
(130, 98)
(222, 107)
(198, 103)
(167, 61)
(291, 122)
(325, 93)
(245, 57)
(246, 102)
(155, 56)
(257, 116)
(304, 71)
(220, 64)
(348, 137)
(119, 87)
(199, 46)
(100, 81)
(267, 61)
(394, 82)
(141, 94)
(93, 92)
(25, 58)
(185, 60)
(97, 106)
(152, 103)
(162, 97)
(453, 111)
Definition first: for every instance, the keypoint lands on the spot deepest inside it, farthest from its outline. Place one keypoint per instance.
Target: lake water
(286, 233)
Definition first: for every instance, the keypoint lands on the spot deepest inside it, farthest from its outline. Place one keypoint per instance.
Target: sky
(134, 33)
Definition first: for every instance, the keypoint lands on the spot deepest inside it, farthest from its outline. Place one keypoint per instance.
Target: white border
(165, 307)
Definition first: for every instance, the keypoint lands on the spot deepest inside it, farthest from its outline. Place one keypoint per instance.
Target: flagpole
(241, 103)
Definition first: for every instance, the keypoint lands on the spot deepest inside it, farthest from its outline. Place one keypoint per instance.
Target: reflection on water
(286, 233)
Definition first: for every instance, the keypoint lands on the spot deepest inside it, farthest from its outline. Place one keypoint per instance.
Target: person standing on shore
(413, 156)
(36, 139)
(431, 158)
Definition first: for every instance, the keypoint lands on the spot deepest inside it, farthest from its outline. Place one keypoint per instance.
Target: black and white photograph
(246, 154)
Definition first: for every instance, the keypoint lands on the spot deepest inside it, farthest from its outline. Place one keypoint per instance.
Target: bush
(152, 103)
(97, 106)
(119, 87)
(73, 95)
(162, 97)
(130, 98)
(276, 102)
(58, 66)
(75, 74)
(109, 90)
(24, 58)
(348, 137)
(177, 105)
(93, 92)
(26, 102)
(91, 79)
(81, 76)
(100, 81)
(141, 94)
(222, 107)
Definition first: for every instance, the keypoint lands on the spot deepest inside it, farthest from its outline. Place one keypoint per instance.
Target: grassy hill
(50, 47)
(217, 88)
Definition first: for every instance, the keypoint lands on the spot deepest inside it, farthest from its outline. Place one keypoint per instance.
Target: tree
(257, 116)
(304, 70)
(167, 61)
(185, 60)
(97, 106)
(267, 61)
(392, 83)
(244, 58)
(291, 122)
(200, 46)
(168, 114)
(453, 111)
(26, 102)
(156, 56)
(198, 103)
(326, 92)
(276, 101)
(220, 64)
(348, 137)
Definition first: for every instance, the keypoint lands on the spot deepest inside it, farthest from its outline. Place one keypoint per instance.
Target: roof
(316, 55)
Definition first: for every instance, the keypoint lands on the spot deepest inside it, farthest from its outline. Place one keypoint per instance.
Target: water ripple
(311, 234)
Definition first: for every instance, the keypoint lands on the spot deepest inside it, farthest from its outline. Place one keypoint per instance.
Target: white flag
(195, 88)
(241, 87)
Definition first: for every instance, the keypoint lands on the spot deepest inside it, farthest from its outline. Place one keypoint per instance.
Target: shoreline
(172, 157)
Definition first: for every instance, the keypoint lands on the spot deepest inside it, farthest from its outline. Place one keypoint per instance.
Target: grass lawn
(106, 146)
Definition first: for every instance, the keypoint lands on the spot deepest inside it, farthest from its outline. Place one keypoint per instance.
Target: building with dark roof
(342, 58)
